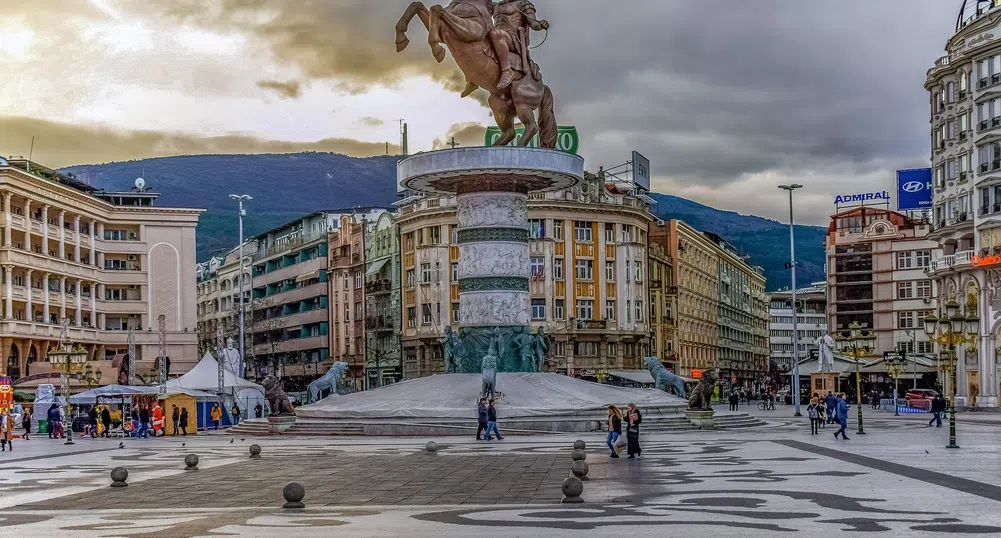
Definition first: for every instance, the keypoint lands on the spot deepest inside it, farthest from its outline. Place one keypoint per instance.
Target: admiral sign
(862, 198)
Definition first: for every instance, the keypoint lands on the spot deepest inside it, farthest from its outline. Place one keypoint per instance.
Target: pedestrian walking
(92, 420)
(813, 411)
(144, 423)
(937, 408)
(26, 423)
(832, 404)
(614, 429)
(734, 400)
(184, 421)
(6, 431)
(633, 420)
(216, 416)
(259, 411)
(492, 421)
(842, 411)
(175, 417)
(481, 419)
(53, 417)
(135, 421)
(236, 414)
(106, 421)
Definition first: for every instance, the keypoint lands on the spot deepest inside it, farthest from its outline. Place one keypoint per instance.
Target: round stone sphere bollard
(579, 469)
(431, 447)
(578, 455)
(572, 488)
(579, 444)
(293, 493)
(118, 477)
(255, 451)
(191, 462)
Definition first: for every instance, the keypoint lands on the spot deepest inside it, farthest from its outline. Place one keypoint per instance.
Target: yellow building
(662, 307)
(588, 286)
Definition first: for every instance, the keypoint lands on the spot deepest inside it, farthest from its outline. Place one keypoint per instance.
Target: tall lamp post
(949, 331)
(69, 360)
(856, 343)
(795, 328)
(894, 363)
(240, 198)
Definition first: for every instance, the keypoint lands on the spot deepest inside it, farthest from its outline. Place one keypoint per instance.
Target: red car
(920, 398)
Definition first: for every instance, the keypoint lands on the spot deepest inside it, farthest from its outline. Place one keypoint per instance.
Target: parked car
(920, 398)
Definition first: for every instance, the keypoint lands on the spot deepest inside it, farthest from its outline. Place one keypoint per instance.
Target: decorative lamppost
(894, 364)
(949, 331)
(68, 360)
(856, 343)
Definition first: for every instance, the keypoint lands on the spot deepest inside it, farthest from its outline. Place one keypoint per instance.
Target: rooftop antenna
(403, 136)
(31, 151)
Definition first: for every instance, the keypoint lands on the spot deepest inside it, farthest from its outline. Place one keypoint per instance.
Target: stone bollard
(572, 488)
(578, 455)
(579, 444)
(432, 447)
(118, 477)
(191, 462)
(579, 469)
(255, 451)
(293, 493)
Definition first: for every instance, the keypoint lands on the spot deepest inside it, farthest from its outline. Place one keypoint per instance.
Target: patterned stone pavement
(898, 479)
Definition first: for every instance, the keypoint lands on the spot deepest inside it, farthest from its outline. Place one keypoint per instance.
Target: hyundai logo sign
(913, 186)
(914, 189)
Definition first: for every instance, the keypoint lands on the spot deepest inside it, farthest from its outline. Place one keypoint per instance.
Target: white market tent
(205, 377)
(90, 396)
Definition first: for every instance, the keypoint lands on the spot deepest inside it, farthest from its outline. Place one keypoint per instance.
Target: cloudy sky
(727, 99)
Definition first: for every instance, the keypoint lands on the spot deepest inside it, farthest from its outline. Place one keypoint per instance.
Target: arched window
(14, 363)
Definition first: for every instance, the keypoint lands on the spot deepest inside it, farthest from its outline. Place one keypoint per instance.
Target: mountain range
(285, 186)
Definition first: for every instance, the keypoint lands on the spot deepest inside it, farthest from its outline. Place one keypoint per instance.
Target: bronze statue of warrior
(513, 20)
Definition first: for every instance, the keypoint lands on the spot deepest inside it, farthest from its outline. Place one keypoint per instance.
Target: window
(585, 309)
(613, 349)
(639, 271)
(411, 316)
(582, 231)
(924, 288)
(455, 234)
(639, 311)
(425, 273)
(112, 294)
(905, 320)
(610, 310)
(923, 258)
(586, 349)
(538, 264)
(558, 269)
(925, 347)
(435, 235)
(538, 309)
(905, 290)
(610, 271)
(455, 273)
(116, 235)
(358, 280)
(585, 270)
(437, 311)
(410, 278)
(558, 309)
(919, 318)
(437, 272)
(346, 283)
(904, 260)
(455, 312)
(428, 316)
(537, 228)
(609, 233)
(347, 312)
(629, 311)
(358, 311)
(558, 230)
(628, 274)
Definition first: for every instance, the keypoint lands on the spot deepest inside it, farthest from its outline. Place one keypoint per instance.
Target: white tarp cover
(205, 376)
(636, 376)
(456, 396)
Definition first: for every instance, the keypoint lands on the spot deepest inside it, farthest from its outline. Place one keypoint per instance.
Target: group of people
(832, 410)
(633, 419)
(217, 414)
(486, 418)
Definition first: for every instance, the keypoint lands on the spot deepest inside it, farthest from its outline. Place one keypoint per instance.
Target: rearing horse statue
(467, 28)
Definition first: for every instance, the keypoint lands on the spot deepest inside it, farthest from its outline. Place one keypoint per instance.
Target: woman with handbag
(614, 429)
(634, 418)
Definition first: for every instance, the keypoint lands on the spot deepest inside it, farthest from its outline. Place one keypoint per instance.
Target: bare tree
(268, 328)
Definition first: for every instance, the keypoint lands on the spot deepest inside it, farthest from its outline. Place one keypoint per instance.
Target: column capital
(29, 270)
(76, 218)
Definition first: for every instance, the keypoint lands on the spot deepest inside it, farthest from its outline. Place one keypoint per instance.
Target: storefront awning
(307, 276)
(376, 267)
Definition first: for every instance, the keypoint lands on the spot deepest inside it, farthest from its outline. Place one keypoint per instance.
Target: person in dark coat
(481, 419)
(26, 423)
(937, 409)
(734, 401)
(184, 421)
(92, 420)
(143, 423)
(492, 422)
(54, 421)
(259, 411)
(633, 420)
(106, 421)
(832, 407)
(175, 417)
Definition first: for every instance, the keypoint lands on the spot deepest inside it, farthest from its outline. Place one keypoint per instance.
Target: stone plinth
(701, 419)
(278, 424)
(822, 382)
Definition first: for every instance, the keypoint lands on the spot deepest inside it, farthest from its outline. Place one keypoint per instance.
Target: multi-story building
(290, 322)
(742, 318)
(695, 291)
(811, 311)
(105, 262)
(346, 267)
(876, 276)
(218, 293)
(383, 300)
(588, 285)
(663, 327)
(965, 111)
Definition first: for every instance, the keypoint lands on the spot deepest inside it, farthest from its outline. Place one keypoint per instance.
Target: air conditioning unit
(133, 257)
(133, 236)
(927, 300)
(133, 287)
(660, 222)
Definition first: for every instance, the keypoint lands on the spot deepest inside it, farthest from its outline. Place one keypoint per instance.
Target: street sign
(567, 139)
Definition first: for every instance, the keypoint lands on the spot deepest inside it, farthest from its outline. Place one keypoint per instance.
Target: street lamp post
(795, 329)
(895, 366)
(68, 359)
(240, 198)
(849, 342)
(952, 329)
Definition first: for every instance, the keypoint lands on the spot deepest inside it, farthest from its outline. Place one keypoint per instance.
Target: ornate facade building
(663, 325)
(218, 292)
(383, 300)
(811, 310)
(588, 286)
(347, 297)
(965, 111)
(105, 262)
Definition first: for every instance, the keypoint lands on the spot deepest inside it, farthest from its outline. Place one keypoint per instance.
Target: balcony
(379, 323)
(29, 329)
(40, 262)
(591, 325)
(378, 287)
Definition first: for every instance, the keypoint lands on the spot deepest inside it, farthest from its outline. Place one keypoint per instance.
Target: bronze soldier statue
(513, 20)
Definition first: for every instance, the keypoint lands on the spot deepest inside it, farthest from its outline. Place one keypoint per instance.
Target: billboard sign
(881, 197)
(914, 189)
(567, 139)
(641, 171)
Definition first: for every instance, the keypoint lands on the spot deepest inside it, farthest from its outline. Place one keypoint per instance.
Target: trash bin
(43, 426)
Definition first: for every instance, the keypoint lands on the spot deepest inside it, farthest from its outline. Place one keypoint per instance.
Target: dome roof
(971, 10)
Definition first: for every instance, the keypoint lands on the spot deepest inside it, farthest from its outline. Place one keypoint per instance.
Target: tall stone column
(62, 304)
(29, 308)
(93, 304)
(79, 303)
(76, 238)
(45, 230)
(962, 377)
(27, 225)
(8, 221)
(8, 276)
(62, 235)
(45, 294)
(987, 354)
(93, 241)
